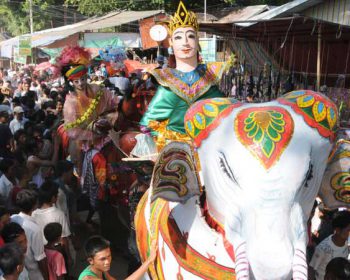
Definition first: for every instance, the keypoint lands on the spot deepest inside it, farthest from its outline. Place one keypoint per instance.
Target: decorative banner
(265, 132)
(18, 58)
(25, 46)
(208, 49)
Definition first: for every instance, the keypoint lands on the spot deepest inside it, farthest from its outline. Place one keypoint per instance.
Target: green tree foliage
(14, 15)
(93, 7)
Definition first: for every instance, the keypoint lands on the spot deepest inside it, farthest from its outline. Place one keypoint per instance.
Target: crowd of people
(39, 189)
(328, 247)
(44, 184)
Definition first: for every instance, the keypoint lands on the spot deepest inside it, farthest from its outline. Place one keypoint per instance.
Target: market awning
(50, 36)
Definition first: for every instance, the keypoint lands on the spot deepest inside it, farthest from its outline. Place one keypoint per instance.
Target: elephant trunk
(269, 245)
(270, 260)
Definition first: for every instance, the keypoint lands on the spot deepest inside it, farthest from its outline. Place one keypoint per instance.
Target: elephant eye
(309, 175)
(226, 168)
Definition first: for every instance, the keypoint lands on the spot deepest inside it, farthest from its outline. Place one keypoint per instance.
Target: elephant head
(262, 166)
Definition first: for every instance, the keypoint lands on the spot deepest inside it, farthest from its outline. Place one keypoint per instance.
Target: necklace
(87, 114)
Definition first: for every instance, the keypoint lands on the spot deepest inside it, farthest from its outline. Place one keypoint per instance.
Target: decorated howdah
(243, 216)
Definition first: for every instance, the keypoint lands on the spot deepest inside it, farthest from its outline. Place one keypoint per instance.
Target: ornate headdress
(73, 62)
(183, 18)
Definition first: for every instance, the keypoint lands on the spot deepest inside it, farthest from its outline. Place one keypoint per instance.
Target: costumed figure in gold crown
(170, 212)
(181, 86)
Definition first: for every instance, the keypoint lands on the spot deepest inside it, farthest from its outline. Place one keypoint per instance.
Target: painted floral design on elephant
(204, 116)
(317, 110)
(340, 183)
(265, 131)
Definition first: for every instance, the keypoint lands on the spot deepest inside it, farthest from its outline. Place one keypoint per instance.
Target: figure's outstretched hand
(154, 251)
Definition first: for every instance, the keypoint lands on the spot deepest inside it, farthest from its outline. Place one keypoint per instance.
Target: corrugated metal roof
(287, 9)
(112, 19)
(244, 13)
(332, 11)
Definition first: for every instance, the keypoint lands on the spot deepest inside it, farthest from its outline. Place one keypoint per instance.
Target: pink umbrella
(137, 66)
(43, 66)
(47, 66)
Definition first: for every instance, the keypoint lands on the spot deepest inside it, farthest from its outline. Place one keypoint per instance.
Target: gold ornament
(86, 116)
(183, 18)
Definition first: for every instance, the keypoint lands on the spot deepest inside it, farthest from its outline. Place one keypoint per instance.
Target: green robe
(178, 91)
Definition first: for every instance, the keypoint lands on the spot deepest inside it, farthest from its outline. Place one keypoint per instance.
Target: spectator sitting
(11, 261)
(35, 258)
(56, 262)
(18, 121)
(98, 253)
(338, 269)
(333, 246)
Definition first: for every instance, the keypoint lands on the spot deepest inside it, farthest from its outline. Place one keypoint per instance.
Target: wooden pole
(319, 45)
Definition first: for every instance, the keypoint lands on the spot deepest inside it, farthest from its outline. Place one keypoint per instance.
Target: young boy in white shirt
(49, 213)
(333, 246)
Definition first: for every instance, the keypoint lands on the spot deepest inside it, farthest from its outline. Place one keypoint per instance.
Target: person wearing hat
(186, 82)
(85, 102)
(18, 121)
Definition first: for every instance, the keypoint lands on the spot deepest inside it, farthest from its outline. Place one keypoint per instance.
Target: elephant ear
(335, 186)
(317, 110)
(175, 176)
(205, 115)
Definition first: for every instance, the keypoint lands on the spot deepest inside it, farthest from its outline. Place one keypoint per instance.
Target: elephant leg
(233, 229)
(300, 236)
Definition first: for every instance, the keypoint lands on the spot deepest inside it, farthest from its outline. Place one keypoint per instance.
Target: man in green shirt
(99, 256)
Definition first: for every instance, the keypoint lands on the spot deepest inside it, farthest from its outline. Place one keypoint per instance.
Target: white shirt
(324, 253)
(35, 251)
(24, 274)
(51, 215)
(122, 83)
(61, 204)
(16, 125)
(6, 187)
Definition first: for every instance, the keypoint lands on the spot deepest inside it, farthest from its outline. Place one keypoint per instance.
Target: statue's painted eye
(309, 175)
(226, 168)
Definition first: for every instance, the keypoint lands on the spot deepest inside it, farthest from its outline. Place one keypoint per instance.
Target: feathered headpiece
(183, 18)
(73, 62)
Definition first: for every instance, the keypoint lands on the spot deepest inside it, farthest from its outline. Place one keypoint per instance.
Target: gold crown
(183, 18)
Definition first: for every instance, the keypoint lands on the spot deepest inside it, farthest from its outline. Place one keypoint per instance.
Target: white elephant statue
(262, 167)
